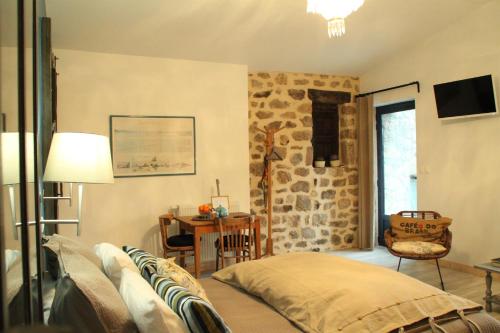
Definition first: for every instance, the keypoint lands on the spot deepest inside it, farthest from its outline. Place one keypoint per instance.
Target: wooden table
(198, 228)
(489, 297)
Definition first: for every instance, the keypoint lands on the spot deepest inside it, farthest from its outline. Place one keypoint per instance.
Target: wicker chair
(445, 240)
(175, 243)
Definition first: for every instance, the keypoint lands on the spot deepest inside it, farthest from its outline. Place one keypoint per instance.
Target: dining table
(198, 227)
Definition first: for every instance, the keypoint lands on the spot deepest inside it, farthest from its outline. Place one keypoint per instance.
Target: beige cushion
(85, 298)
(113, 261)
(418, 247)
(151, 314)
(415, 229)
(74, 246)
(168, 268)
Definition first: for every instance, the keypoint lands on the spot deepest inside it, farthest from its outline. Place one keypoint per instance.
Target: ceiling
(267, 35)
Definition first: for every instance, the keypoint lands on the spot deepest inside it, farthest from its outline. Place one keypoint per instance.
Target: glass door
(397, 162)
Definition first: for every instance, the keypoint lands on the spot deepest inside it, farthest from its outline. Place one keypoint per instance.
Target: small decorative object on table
(221, 212)
(205, 211)
(319, 162)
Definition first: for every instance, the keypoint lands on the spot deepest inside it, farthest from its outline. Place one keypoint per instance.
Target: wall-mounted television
(465, 98)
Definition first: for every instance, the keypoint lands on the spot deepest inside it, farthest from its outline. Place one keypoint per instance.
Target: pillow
(415, 229)
(199, 316)
(113, 261)
(149, 311)
(168, 268)
(53, 241)
(11, 257)
(85, 299)
(410, 247)
(145, 261)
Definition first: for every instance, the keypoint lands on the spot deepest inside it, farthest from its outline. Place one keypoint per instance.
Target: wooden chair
(175, 243)
(236, 236)
(445, 240)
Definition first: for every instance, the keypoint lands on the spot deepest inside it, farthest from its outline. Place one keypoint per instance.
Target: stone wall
(313, 208)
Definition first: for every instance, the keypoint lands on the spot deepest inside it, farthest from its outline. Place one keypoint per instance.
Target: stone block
(303, 203)
(344, 203)
(305, 135)
(278, 104)
(336, 240)
(328, 194)
(300, 186)
(283, 177)
(308, 233)
(256, 168)
(288, 115)
(297, 94)
(303, 172)
(296, 158)
(301, 244)
(306, 121)
(281, 79)
(339, 182)
(264, 114)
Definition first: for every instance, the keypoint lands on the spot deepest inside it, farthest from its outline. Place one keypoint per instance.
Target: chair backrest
(436, 231)
(420, 214)
(238, 232)
(165, 220)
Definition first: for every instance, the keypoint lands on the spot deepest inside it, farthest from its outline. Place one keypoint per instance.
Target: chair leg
(399, 263)
(440, 277)
(216, 260)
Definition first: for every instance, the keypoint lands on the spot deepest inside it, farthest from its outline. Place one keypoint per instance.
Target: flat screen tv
(465, 98)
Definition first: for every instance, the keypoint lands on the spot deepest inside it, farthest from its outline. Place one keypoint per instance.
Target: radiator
(207, 240)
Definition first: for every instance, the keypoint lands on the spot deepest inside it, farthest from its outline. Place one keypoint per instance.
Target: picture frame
(143, 146)
(221, 200)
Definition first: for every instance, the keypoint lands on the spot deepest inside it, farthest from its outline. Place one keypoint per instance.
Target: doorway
(396, 161)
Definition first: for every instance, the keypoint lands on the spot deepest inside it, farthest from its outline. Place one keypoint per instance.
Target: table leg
(258, 245)
(488, 291)
(182, 259)
(197, 258)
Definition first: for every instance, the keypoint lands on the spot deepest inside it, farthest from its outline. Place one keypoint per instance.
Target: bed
(296, 292)
(245, 313)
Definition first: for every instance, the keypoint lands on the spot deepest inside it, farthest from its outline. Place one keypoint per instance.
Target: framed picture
(152, 146)
(220, 201)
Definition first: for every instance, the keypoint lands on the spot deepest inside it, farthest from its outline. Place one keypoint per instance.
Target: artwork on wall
(153, 146)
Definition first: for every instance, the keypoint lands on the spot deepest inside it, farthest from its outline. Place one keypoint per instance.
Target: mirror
(13, 268)
(21, 263)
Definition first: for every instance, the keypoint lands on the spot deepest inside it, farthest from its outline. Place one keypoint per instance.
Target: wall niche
(325, 118)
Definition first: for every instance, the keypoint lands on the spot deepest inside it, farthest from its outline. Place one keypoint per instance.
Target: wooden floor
(459, 283)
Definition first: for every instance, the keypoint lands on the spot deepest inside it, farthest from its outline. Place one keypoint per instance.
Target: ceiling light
(334, 11)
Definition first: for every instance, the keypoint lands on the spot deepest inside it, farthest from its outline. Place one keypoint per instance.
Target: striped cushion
(199, 316)
(145, 261)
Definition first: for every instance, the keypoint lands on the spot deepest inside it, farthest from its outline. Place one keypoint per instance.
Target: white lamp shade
(79, 158)
(10, 158)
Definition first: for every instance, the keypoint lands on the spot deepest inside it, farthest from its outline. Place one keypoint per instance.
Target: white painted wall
(92, 86)
(458, 161)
